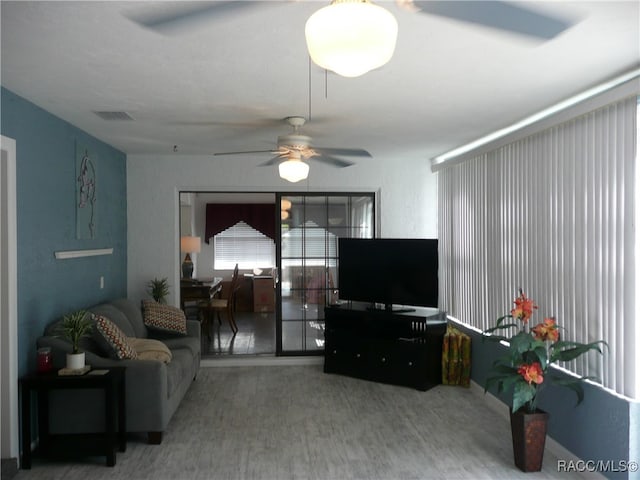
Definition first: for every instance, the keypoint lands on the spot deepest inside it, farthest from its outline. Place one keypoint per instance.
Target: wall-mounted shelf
(83, 253)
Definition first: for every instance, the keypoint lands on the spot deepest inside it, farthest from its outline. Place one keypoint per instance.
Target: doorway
(235, 239)
(281, 295)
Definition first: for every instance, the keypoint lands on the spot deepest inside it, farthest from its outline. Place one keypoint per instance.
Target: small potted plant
(159, 289)
(74, 327)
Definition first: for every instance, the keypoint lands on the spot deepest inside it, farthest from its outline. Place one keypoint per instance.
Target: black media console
(385, 346)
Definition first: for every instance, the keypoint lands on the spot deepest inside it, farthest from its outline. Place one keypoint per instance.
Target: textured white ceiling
(221, 84)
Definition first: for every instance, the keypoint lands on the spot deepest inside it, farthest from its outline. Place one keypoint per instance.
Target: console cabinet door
(412, 361)
(398, 362)
(346, 355)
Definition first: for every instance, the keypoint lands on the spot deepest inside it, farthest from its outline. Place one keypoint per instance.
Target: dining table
(194, 290)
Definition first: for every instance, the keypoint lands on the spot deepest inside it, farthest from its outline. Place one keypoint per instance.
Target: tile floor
(302, 331)
(256, 336)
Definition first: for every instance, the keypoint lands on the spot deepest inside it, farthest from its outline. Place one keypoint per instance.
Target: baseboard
(259, 361)
(553, 446)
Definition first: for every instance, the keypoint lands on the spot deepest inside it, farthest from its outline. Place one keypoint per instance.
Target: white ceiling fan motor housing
(294, 141)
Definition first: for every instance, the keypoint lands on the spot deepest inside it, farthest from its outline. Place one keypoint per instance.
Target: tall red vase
(529, 432)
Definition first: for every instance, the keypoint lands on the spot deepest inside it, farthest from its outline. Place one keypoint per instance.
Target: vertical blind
(552, 214)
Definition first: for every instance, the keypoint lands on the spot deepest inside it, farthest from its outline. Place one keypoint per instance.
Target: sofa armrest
(193, 328)
(191, 340)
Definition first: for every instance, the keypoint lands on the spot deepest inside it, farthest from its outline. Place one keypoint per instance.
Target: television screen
(389, 271)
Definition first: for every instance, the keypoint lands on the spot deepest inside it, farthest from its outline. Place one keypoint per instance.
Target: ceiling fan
(497, 14)
(294, 148)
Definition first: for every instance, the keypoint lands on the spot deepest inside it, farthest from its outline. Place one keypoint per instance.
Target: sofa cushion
(113, 339)
(164, 318)
(133, 312)
(149, 349)
(192, 343)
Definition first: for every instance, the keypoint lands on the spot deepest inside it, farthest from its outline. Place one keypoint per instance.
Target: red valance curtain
(221, 216)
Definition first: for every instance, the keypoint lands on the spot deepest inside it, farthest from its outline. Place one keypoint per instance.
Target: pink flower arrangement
(531, 352)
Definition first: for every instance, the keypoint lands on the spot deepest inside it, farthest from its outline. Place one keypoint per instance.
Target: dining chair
(221, 301)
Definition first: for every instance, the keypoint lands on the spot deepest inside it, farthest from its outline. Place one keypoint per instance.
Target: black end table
(111, 381)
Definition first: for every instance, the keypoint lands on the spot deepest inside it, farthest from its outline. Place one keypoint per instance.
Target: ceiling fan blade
(173, 18)
(241, 153)
(348, 152)
(334, 161)
(497, 14)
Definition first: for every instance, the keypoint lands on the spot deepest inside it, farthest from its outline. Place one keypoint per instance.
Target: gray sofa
(154, 389)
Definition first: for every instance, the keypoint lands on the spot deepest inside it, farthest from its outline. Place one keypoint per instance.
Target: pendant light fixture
(351, 37)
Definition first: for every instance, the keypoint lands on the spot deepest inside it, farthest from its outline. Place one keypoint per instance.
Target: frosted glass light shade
(285, 204)
(293, 170)
(190, 244)
(351, 37)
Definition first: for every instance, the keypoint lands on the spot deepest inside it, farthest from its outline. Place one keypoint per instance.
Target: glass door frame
(279, 271)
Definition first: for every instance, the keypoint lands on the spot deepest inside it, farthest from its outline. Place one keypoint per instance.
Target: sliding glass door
(307, 254)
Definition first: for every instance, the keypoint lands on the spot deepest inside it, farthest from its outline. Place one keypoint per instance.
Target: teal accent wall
(46, 221)
(599, 428)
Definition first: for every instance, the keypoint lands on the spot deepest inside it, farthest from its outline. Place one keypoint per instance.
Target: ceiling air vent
(108, 115)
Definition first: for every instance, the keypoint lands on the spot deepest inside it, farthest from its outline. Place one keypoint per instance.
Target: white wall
(9, 436)
(406, 201)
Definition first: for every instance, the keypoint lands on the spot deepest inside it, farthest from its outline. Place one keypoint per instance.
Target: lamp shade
(190, 244)
(293, 170)
(351, 37)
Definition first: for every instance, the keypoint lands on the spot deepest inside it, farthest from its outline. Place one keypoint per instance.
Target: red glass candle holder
(45, 360)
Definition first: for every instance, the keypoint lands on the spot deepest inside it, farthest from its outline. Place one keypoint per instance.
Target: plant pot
(75, 361)
(528, 433)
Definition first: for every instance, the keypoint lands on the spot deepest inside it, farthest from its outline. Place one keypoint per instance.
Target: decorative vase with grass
(526, 370)
(158, 289)
(74, 327)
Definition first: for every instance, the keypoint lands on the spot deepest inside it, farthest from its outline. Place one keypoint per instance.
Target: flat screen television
(389, 271)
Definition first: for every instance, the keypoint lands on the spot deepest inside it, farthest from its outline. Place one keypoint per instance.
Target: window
(551, 213)
(245, 246)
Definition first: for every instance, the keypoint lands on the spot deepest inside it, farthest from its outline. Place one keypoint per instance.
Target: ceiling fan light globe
(351, 39)
(293, 170)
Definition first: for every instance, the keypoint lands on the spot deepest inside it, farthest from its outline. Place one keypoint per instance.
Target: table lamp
(189, 245)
